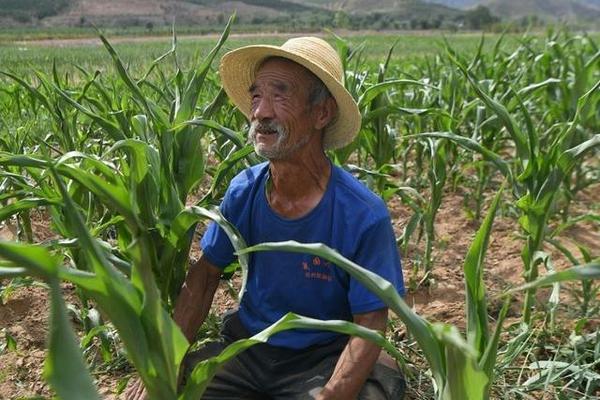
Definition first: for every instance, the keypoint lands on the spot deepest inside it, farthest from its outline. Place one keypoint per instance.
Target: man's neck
(298, 184)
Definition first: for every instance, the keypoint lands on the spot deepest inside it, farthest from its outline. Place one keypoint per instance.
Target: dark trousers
(270, 372)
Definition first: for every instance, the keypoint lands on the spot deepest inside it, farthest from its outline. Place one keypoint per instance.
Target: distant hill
(140, 12)
(366, 6)
(544, 9)
(298, 14)
(291, 15)
(547, 9)
(460, 4)
(26, 10)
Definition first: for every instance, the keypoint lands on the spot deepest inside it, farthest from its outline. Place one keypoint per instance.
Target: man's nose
(263, 109)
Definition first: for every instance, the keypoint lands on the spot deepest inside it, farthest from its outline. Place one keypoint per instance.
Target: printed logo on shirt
(317, 268)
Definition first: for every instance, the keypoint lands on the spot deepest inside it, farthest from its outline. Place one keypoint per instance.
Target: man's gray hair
(318, 92)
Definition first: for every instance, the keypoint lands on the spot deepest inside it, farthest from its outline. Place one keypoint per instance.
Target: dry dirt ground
(24, 314)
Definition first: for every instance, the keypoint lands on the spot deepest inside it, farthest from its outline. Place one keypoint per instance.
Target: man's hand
(357, 360)
(135, 390)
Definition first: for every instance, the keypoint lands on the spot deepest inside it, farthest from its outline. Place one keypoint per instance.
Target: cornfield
(125, 159)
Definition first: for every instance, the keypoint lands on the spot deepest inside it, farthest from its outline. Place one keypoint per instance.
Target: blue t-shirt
(349, 218)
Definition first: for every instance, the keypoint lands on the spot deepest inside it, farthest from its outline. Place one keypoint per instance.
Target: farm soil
(24, 314)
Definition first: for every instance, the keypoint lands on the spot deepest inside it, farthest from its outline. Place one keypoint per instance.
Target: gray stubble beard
(278, 150)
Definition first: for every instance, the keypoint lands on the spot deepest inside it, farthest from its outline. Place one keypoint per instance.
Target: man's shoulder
(249, 177)
(357, 196)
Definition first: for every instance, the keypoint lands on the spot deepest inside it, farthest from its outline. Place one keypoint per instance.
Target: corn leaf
(21, 205)
(235, 137)
(190, 159)
(64, 367)
(472, 145)
(487, 361)
(12, 272)
(373, 91)
(188, 217)
(507, 120)
(224, 167)
(477, 331)
(465, 381)
(580, 272)
(186, 109)
(420, 328)
(158, 115)
(110, 127)
(204, 371)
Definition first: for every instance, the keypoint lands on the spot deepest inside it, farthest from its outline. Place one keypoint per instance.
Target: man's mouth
(266, 131)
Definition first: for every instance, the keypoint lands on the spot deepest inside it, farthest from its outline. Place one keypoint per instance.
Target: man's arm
(196, 296)
(356, 361)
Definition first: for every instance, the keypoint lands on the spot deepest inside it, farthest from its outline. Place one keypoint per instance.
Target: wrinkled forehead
(287, 66)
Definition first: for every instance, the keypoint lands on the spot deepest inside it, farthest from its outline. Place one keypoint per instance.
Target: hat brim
(238, 71)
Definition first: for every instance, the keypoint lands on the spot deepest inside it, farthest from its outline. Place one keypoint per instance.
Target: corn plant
(540, 172)
(133, 304)
(64, 366)
(155, 157)
(155, 344)
(128, 184)
(377, 141)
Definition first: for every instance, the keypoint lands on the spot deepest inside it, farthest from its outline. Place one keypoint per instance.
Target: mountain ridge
(289, 14)
(545, 9)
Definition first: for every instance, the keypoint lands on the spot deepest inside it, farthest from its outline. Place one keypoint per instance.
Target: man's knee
(386, 381)
(388, 361)
(193, 358)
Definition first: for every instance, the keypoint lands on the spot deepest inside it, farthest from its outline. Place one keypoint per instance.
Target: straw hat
(239, 67)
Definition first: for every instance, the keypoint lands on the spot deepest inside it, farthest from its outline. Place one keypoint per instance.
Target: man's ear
(325, 112)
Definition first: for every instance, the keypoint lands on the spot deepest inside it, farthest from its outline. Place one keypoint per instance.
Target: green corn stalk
(64, 367)
(539, 175)
(354, 80)
(136, 197)
(437, 181)
(154, 343)
(155, 155)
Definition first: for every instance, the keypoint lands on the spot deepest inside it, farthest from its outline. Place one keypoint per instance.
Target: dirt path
(95, 41)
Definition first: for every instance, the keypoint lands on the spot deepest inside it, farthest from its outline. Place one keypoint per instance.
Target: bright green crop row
(24, 56)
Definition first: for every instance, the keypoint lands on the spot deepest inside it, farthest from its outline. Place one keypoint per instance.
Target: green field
(119, 156)
(32, 55)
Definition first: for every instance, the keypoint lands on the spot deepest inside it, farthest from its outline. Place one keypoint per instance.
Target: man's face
(281, 118)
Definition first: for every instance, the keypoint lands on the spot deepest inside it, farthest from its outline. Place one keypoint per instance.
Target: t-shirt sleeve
(215, 243)
(377, 252)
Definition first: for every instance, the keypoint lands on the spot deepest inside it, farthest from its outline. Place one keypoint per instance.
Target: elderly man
(298, 107)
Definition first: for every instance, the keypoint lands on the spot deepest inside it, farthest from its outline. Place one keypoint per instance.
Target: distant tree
(257, 20)
(480, 17)
(149, 26)
(341, 19)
